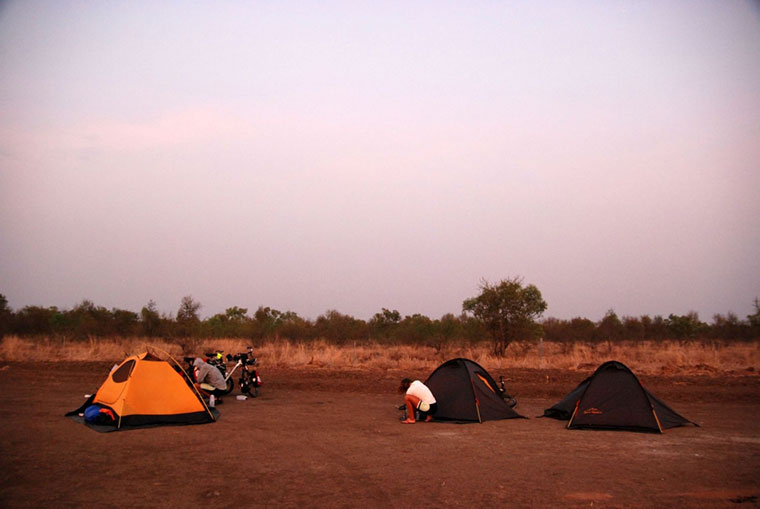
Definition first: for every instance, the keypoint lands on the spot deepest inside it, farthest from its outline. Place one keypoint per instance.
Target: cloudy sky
(356, 155)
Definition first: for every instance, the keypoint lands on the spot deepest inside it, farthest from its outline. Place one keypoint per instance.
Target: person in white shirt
(417, 396)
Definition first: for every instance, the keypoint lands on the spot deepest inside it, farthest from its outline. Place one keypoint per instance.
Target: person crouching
(209, 380)
(417, 396)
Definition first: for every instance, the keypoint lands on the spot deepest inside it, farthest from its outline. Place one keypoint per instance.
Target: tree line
(502, 313)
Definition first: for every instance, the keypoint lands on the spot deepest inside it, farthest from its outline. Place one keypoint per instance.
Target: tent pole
(477, 402)
(573, 416)
(657, 419)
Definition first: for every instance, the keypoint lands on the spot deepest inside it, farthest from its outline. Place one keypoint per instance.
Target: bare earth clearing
(327, 438)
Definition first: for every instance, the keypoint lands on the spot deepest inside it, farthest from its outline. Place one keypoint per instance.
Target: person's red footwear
(429, 418)
(408, 421)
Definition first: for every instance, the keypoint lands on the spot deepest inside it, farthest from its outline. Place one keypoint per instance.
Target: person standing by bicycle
(209, 380)
(417, 396)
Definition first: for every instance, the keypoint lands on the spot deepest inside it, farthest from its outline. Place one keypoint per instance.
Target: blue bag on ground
(91, 413)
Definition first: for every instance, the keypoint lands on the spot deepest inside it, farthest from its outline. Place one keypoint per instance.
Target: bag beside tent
(465, 392)
(614, 399)
(147, 391)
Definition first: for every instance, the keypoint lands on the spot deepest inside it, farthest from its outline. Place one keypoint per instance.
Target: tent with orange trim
(614, 399)
(465, 392)
(147, 391)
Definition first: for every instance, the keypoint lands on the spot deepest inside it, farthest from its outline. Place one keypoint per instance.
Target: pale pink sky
(360, 155)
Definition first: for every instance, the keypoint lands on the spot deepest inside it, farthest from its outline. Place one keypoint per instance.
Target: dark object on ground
(752, 499)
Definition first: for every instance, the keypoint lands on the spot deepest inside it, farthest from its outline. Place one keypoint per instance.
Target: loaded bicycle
(249, 381)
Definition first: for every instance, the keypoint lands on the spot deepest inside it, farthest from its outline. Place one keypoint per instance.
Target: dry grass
(645, 357)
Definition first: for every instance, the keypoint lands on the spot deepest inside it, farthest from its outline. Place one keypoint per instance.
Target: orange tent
(147, 391)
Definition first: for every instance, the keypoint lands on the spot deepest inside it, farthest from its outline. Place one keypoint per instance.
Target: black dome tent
(614, 399)
(465, 392)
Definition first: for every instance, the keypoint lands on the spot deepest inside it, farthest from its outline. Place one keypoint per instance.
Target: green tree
(728, 327)
(382, 325)
(236, 314)
(568, 331)
(580, 329)
(34, 320)
(656, 328)
(448, 328)
(150, 321)
(610, 328)
(5, 316)
(754, 319)
(339, 328)
(416, 329)
(188, 320)
(266, 321)
(292, 326)
(508, 311)
(634, 328)
(87, 319)
(234, 323)
(473, 329)
(188, 309)
(124, 322)
(687, 326)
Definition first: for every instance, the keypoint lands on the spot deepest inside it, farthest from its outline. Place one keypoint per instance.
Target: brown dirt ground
(321, 438)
